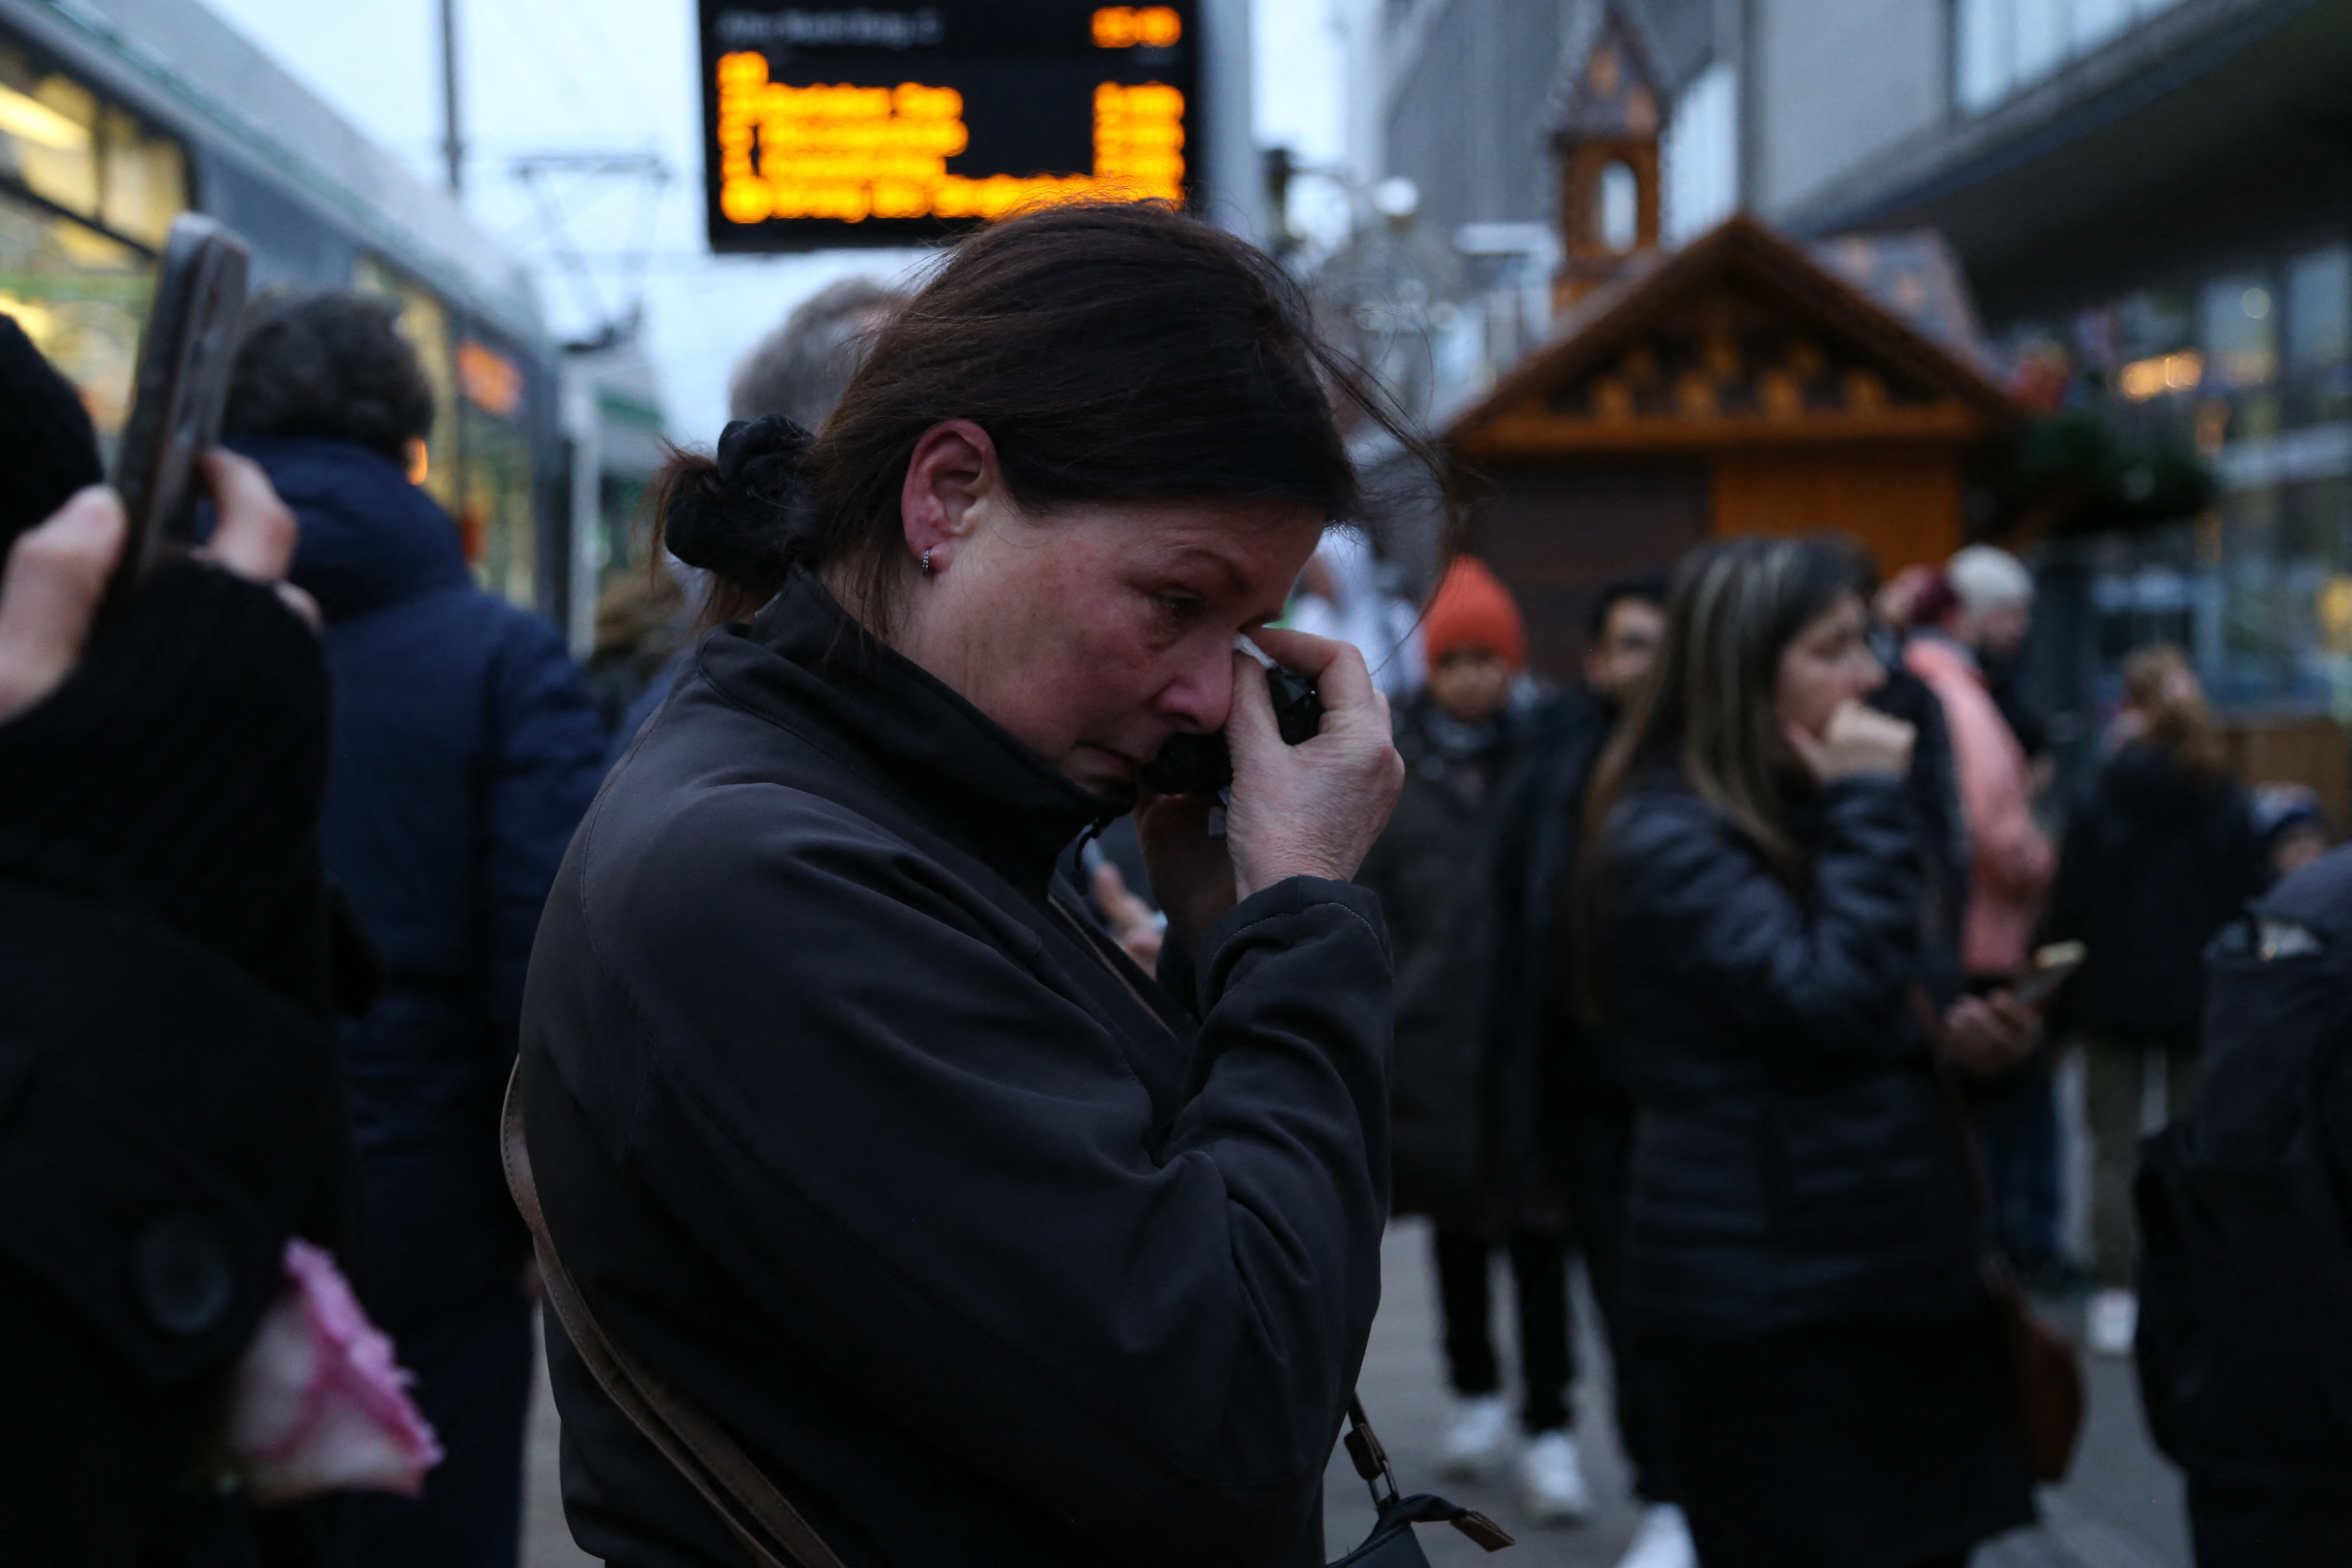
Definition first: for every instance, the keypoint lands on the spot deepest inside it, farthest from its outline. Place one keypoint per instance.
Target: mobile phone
(181, 390)
(2053, 966)
(1202, 764)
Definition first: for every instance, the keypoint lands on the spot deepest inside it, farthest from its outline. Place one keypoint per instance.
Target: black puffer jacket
(2155, 861)
(987, 1249)
(1430, 870)
(1793, 1163)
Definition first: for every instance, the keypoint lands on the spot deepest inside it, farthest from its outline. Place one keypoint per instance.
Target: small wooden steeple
(1605, 135)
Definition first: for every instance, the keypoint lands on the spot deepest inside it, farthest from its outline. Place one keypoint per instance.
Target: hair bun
(737, 515)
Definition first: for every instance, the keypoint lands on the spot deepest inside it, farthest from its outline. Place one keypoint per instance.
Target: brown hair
(2160, 685)
(1706, 710)
(1112, 352)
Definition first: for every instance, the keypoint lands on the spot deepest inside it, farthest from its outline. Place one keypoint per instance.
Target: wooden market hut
(1738, 385)
(1732, 386)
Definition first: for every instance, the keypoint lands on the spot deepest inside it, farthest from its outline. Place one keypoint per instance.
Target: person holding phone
(170, 1113)
(984, 1245)
(1802, 1250)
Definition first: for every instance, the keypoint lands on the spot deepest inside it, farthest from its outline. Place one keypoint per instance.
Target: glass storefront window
(2319, 309)
(2318, 332)
(81, 298)
(2238, 331)
(2154, 323)
(2003, 46)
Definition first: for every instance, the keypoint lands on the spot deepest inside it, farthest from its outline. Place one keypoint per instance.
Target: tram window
(48, 134)
(145, 180)
(425, 322)
(498, 518)
(62, 144)
(81, 298)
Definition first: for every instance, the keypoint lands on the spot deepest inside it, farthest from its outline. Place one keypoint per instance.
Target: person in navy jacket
(465, 749)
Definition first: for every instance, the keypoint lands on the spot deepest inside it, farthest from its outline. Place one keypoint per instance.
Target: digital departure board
(866, 126)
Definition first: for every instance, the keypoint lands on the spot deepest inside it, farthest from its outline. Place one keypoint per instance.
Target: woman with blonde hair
(2160, 852)
(1802, 1249)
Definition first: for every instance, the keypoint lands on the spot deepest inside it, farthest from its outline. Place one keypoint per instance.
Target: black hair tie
(738, 518)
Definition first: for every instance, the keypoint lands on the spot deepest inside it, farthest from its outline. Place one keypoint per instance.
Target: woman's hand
(57, 573)
(1310, 810)
(1859, 742)
(1314, 809)
(1987, 1035)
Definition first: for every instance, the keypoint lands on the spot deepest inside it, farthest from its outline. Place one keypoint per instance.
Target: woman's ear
(951, 473)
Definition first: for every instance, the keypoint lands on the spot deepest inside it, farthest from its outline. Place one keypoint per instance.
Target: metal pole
(453, 146)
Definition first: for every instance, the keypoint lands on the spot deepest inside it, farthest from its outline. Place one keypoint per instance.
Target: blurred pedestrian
(1565, 1115)
(1804, 1262)
(801, 369)
(2244, 1342)
(641, 621)
(466, 747)
(1432, 872)
(1988, 605)
(172, 1115)
(2290, 827)
(1983, 610)
(2159, 853)
(1996, 592)
(798, 372)
(975, 1241)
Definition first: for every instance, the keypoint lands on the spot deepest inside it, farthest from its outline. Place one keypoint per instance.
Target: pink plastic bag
(318, 1404)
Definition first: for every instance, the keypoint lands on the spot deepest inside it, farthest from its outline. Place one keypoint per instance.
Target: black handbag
(757, 1512)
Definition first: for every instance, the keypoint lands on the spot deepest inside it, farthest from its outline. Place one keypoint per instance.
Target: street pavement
(2121, 1507)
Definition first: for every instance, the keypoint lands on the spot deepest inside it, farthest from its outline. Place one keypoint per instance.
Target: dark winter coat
(2155, 861)
(1553, 1071)
(1793, 1164)
(986, 1248)
(169, 1110)
(465, 747)
(1430, 870)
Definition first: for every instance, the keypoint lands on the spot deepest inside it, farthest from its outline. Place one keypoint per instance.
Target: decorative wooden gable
(1737, 340)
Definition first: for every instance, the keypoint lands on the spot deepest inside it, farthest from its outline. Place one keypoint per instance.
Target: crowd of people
(934, 1144)
(1716, 969)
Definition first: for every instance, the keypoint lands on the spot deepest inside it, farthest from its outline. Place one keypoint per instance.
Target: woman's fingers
(256, 534)
(55, 575)
(1341, 679)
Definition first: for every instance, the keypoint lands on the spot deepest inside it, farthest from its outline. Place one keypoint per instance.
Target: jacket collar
(370, 539)
(804, 663)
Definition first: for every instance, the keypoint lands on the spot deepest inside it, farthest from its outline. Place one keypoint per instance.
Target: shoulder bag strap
(771, 1529)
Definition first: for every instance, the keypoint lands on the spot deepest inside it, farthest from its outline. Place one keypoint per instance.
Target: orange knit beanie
(1472, 608)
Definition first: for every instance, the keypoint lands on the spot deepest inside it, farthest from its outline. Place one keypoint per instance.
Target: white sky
(620, 76)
